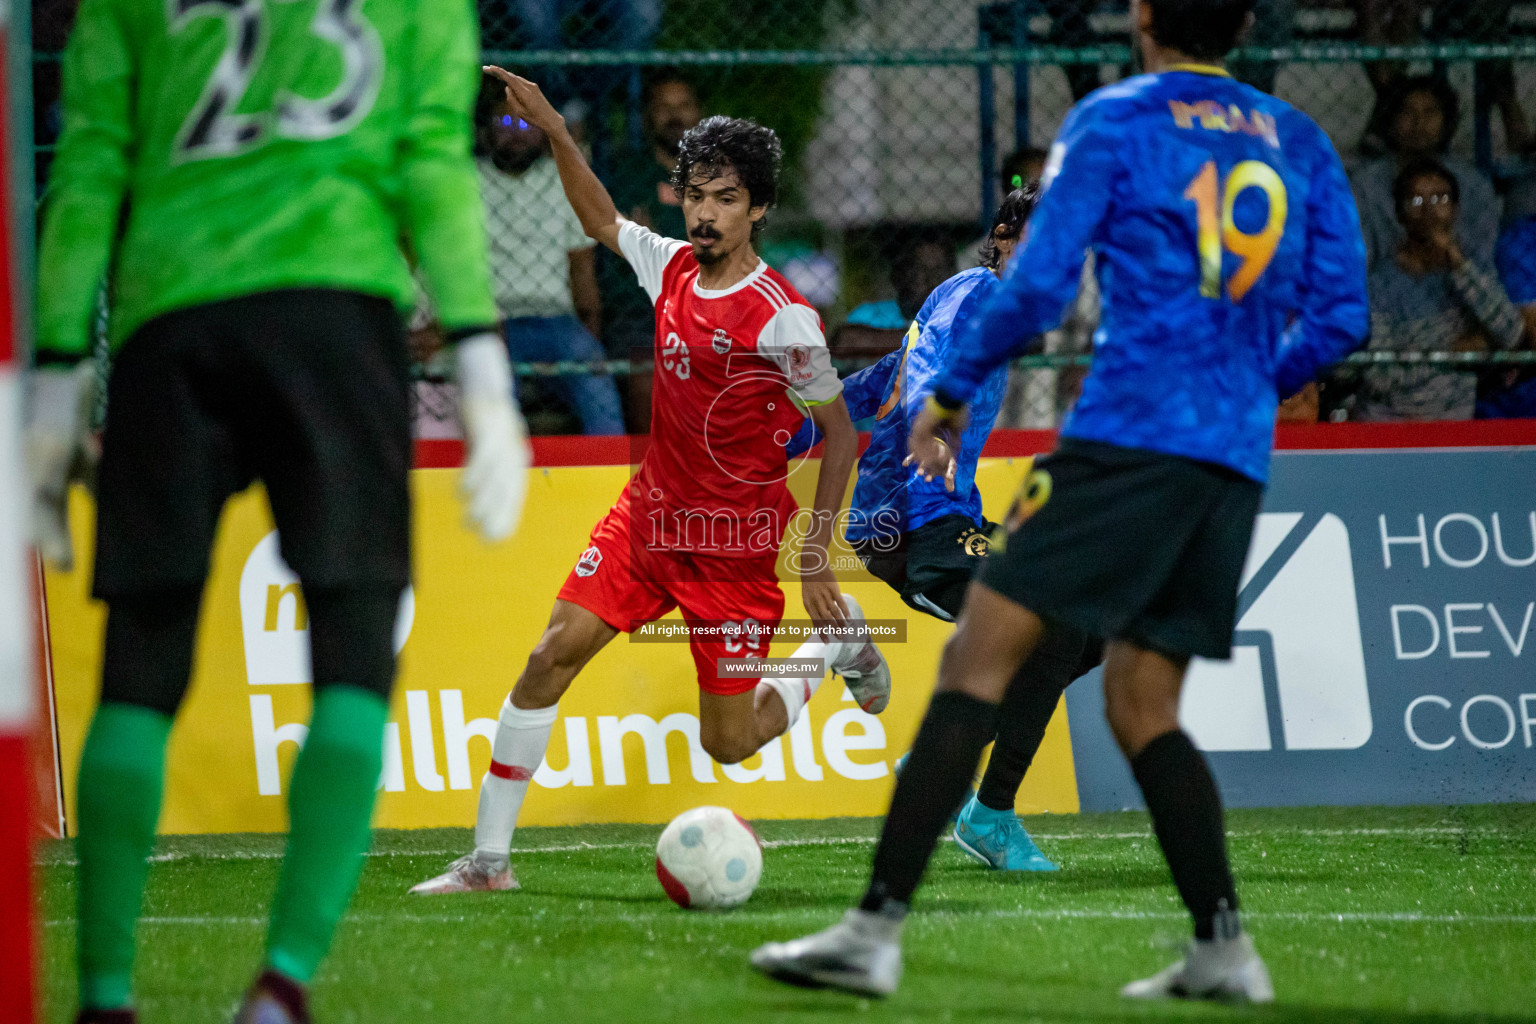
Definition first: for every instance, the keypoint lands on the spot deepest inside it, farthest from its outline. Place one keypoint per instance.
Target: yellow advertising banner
(626, 747)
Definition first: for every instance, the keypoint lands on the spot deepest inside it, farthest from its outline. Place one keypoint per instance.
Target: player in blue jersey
(926, 537)
(1232, 267)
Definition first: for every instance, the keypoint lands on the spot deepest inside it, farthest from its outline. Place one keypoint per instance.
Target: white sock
(522, 736)
(796, 693)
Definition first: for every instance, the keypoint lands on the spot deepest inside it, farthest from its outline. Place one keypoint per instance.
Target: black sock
(940, 767)
(1186, 815)
(287, 992)
(1025, 712)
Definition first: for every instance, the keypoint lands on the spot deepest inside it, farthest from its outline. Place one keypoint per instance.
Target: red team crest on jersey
(590, 559)
(799, 364)
(713, 476)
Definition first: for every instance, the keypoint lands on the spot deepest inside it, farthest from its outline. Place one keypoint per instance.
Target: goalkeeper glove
(495, 478)
(60, 449)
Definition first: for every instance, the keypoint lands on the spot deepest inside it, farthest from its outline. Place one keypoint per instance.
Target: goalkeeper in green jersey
(250, 180)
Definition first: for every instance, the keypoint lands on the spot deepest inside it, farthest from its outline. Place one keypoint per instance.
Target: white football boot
(860, 954)
(468, 874)
(862, 667)
(1224, 969)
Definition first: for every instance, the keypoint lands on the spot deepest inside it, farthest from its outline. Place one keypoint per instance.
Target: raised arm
(1335, 315)
(600, 219)
(818, 584)
(1041, 280)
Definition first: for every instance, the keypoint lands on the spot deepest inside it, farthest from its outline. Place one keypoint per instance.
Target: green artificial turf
(1363, 914)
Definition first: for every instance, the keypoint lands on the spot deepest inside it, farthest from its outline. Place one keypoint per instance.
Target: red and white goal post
(17, 630)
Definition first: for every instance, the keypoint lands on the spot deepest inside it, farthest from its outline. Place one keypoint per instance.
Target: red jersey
(736, 369)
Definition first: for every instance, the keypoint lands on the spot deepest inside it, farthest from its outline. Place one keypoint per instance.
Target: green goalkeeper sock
(122, 775)
(330, 805)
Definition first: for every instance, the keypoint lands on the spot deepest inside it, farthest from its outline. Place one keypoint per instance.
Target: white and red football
(709, 858)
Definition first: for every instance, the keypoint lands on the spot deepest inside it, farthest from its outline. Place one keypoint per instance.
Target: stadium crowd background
(903, 123)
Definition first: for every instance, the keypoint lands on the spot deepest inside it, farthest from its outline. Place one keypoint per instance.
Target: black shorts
(1130, 544)
(931, 566)
(306, 390)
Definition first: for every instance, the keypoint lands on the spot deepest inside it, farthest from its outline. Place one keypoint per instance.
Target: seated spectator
(543, 269)
(1072, 26)
(572, 24)
(1403, 22)
(1513, 394)
(1431, 297)
(1274, 25)
(641, 186)
(1037, 399)
(917, 267)
(1421, 114)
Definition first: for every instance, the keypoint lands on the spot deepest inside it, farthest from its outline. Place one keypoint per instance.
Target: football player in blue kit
(1232, 268)
(925, 537)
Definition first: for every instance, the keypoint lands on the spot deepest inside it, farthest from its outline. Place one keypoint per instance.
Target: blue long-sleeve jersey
(890, 498)
(1229, 257)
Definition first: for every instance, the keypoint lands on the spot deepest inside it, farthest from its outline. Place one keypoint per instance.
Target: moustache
(704, 233)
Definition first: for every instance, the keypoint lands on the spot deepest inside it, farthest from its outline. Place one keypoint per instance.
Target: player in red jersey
(740, 362)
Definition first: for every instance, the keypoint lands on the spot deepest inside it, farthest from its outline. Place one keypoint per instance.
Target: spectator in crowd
(1431, 296)
(920, 263)
(1274, 24)
(543, 267)
(1403, 23)
(643, 178)
(1421, 114)
(1037, 399)
(641, 185)
(1072, 24)
(572, 24)
(1513, 394)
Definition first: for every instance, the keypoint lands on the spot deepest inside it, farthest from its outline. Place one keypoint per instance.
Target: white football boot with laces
(862, 667)
(860, 954)
(469, 874)
(1222, 969)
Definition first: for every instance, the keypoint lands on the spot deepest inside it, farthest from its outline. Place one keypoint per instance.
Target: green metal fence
(902, 120)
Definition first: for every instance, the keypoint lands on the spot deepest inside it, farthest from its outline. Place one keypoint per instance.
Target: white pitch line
(1276, 834)
(1021, 913)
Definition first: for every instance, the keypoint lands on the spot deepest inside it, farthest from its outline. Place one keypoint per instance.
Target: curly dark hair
(1011, 218)
(719, 144)
(1202, 29)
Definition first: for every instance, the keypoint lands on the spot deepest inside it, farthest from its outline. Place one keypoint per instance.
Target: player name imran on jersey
(1216, 117)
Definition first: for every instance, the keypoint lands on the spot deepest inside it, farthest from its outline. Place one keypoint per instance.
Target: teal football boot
(998, 839)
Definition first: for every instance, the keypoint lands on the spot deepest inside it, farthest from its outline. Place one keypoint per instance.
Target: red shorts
(621, 581)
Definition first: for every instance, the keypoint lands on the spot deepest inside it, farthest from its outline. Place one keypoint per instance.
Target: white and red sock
(522, 736)
(797, 693)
